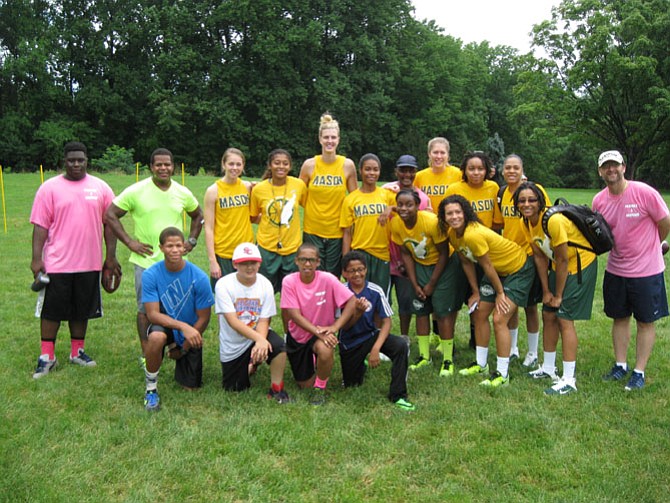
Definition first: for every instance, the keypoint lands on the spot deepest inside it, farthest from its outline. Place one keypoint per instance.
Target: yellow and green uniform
(421, 240)
(280, 217)
(360, 211)
(483, 200)
(231, 217)
(506, 256)
(513, 223)
(435, 185)
(326, 191)
(561, 230)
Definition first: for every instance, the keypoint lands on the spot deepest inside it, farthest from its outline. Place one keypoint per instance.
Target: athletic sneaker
(474, 368)
(403, 404)
(44, 366)
(318, 396)
(280, 397)
(82, 359)
(616, 374)
(384, 358)
(420, 363)
(562, 387)
(152, 401)
(636, 381)
(540, 373)
(447, 369)
(495, 380)
(530, 360)
(513, 355)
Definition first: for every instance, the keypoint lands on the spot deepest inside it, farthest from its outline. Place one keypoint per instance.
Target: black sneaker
(280, 397)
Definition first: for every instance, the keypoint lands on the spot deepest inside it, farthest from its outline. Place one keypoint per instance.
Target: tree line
(202, 75)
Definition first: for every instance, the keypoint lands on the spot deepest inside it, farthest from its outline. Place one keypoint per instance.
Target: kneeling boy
(367, 333)
(178, 300)
(245, 304)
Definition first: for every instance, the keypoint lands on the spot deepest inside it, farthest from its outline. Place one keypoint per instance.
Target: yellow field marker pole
(4, 209)
(183, 182)
(41, 175)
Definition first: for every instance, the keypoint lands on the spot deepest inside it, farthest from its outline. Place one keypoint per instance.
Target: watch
(192, 242)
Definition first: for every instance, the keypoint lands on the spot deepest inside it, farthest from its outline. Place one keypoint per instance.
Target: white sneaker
(514, 354)
(562, 387)
(82, 359)
(44, 366)
(540, 373)
(384, 358)
(530, 360)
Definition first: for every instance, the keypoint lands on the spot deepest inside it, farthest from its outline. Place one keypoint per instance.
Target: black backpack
(590, 223)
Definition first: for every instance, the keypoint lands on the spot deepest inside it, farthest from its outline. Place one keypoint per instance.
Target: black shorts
(71, 296)
(236, 372)
(644, 298)
(301, 357)
(188, 369)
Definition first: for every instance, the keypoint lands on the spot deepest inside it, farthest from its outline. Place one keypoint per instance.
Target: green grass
(82, 434)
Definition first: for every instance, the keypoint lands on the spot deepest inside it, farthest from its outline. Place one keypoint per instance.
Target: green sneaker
(403, 404)
(473, 369)
(495, 380)
(447, 369)
(420, 363)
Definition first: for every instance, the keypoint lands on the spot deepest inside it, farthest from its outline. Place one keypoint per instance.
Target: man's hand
(37, 266)
(143, 249)
(373, 358)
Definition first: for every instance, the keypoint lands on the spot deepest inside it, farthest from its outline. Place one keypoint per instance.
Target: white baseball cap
(610, 155)
(246, 252)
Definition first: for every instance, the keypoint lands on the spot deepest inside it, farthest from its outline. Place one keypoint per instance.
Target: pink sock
(320, 383)
(48, 348)
(76, 345)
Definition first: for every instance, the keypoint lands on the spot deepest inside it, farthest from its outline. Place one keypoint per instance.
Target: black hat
(407, 160)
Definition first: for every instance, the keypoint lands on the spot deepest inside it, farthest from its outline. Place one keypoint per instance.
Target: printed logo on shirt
(327, 181)
(510, 211)
(234, 201)
(280, 210)
(545, 246)
(91, 194)
(248, 311)
(482, 205)
(632, 210)
(418, 248)
(467, 253)
(362, 210)
(434, 190)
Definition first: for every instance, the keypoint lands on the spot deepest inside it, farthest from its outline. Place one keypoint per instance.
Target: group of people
(441, 237)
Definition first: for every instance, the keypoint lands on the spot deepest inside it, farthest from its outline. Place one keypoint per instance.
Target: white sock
(514, 338)
(639, 371)
(533, 340)
(503, 366)
(549, 364)
(569, 370)
(482, 355)
(151, 380)
(623, 365)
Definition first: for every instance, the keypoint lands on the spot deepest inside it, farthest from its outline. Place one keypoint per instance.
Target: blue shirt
(365, 327)
(180, 294)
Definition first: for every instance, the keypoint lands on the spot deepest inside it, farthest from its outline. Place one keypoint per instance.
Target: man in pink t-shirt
(67, 215)
(311, 298)
(633, 282)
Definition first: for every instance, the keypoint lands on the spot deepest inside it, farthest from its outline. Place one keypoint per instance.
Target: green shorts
(577, 297)
(450, 291)
(379, 272)
(274, 267)
(330, 252)
(226, 265)
(516, 286)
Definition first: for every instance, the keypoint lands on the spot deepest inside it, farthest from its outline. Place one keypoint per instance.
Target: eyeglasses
(307, 260)
(359, 270)
(530, 200)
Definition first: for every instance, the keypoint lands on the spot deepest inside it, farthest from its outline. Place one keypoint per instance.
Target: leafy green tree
(611, 55)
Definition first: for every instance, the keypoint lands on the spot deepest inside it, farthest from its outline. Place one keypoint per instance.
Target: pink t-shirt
(633, 216)
(394, 249)
(72, 213)
(318, 301)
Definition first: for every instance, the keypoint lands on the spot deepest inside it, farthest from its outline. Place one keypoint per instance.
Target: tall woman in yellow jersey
(508, 275)
(274, 204)
(227, 221)
(363, 221)
(328, 178)
(439, 175)
(567, 294)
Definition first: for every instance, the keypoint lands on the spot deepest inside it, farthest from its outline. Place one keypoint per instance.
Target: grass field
(83, 435)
